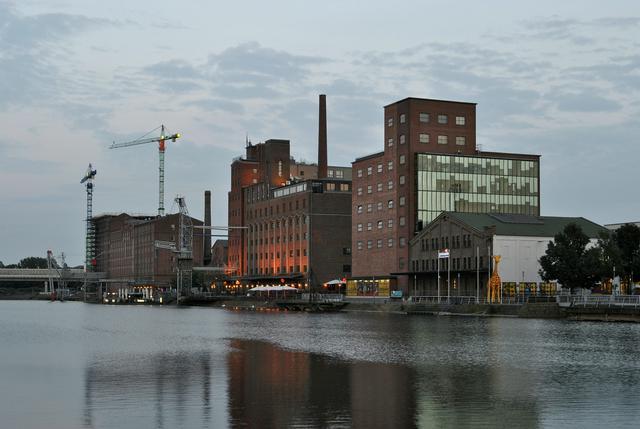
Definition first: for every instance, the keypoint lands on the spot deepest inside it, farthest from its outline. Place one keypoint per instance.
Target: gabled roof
(523, 225)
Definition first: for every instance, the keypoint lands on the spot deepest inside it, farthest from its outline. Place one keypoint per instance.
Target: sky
(558, 79)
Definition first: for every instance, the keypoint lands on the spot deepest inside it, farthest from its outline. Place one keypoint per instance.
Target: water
(74, 365)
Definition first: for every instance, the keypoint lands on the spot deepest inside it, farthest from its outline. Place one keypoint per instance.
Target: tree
(570, 262)
(1, 264)
(621, 252)
(33, 262)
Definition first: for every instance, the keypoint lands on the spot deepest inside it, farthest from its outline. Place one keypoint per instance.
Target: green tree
(33, 262)
(570, 262)
(621, 252)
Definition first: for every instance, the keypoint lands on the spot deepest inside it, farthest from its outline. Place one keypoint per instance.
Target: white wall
(520, 256)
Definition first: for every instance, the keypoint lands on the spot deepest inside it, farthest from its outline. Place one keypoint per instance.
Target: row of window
(465, 263)
(268, 211)
(379, 169)
(379, 243)
(426, 138)
(380, 186)
(360, 207)
(277, 224)
(380, 224)
(276, 240)
(455, 242)
(425, 118)
(292, 253)
(281, 270)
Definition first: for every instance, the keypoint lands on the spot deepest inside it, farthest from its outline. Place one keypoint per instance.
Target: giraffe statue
(493, 285)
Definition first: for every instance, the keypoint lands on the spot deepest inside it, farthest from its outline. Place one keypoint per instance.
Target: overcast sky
(555, 78)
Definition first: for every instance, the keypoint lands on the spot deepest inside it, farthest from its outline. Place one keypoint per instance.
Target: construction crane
(90, 237)
(161, 147)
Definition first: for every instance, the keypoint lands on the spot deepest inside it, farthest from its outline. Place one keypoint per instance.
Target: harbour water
(75, 365)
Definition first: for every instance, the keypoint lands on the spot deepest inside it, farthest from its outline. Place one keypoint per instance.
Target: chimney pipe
(322, 138)
(206, 259)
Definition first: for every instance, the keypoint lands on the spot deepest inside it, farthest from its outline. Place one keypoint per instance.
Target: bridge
(44, 274)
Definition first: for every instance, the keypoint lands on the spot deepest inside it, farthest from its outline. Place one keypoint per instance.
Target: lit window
(390, 122)
(359, 190)
(379, 168)
(390, 165)
(379, 187)
(460, 120)
(330, 187)
(403, 118)
(402, 221)
(402, 179)
(402, 159)
(402, 139)
(360, 172)
(460, 141)
(424, 117)
(424, 138)
(390, 204)
(390, 185)
(443, 140)
(443, 119)
(369, 226)
(390, 223)
(255, 170)
(401, 202)
(343, 187)
(390, 242)
(369, 171)
(359, 209)
(379, 243)
(390, 142)
(359, 227)
(380, 224)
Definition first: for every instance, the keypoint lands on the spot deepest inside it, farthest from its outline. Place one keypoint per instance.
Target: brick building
(294, 218)
(430, 163)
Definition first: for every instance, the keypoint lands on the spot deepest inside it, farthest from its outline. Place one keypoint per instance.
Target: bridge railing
(599, 300)
(458, 300)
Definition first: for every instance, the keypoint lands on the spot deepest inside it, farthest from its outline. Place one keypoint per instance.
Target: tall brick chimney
(207, 232)
(322, 138)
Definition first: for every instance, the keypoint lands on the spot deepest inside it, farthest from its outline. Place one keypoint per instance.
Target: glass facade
(475, 185)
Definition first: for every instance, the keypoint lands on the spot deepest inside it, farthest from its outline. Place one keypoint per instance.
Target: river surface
(75, 365)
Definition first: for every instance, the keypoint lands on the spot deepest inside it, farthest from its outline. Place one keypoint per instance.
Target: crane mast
(90, 236)
(161, 140)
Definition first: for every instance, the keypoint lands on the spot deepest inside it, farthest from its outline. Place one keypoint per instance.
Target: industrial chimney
(322, 138)
(207, 232)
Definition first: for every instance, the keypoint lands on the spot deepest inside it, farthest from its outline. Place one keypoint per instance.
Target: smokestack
(207, 232)
(322, 138)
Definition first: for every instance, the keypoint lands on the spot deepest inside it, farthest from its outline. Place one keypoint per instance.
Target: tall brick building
(430, 163)
(294, 218)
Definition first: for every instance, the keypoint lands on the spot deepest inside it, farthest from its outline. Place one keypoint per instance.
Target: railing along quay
(600, 301)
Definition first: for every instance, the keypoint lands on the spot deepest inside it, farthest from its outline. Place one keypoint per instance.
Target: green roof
(523, 225)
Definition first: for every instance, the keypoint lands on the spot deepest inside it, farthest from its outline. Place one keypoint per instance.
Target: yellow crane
(161, 148)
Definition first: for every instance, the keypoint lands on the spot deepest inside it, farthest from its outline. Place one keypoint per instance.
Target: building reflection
(272, 387)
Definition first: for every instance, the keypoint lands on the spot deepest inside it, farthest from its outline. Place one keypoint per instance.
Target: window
(359, 227)
(424, 138)
(390, 223)
(443, 119)
(369, 226)
(380, 224)
(379, 187)
(359, 172)
(380, 168)
(369, 244)
(379, 204)
(343, 187)
(402, 242)
(329, 173)
(390, 165)
(339, 174)
(424, 117)
(346, 250)
(402, 221)
(402, 139)
(460, 120)
(401, 201)
(390, 122)
(369, 171)
(359, 245)
(390, 204)
(330, 187)
(389, 142)
(460, 141)
(369, 208)
(345, 268)
(402, 179)
(403, 118)
(359, 209)
(390, 242)
(402, 159)
(443, 140)
(369, 189)
(390, 185)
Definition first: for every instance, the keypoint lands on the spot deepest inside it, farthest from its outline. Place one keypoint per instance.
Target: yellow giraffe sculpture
(493, 285)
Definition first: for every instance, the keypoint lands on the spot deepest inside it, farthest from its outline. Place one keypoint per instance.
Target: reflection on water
(73, 365)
